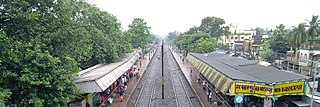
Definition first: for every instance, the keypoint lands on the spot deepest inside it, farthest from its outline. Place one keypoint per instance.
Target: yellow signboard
(263, 90)
(295, 87)
(244, 88)
(252, 89)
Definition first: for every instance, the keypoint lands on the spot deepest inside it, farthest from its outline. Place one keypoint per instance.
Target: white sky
(164, 16)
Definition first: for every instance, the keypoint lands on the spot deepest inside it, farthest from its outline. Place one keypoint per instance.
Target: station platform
(132, 84)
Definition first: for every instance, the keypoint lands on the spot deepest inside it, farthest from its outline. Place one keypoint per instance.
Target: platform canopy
(241, 76)
(99, 77)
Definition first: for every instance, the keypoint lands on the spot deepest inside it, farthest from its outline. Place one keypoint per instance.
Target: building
(237, 37)
(233, 77)
(302, 64)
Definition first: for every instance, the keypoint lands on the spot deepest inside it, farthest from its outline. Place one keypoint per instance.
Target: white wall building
(237, 34)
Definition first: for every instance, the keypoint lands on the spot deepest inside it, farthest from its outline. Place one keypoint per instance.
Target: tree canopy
(45, 43)
(138, 32)
(202, 39)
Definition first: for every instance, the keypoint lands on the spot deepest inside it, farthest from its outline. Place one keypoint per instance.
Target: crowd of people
(117, 90)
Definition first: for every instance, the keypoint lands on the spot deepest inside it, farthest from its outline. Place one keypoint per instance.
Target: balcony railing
(314, 46)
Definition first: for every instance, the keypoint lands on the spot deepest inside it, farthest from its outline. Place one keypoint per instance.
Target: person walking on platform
(110, 99)
(210, 96)
(121, 95)
(204, 84)
(198, 78)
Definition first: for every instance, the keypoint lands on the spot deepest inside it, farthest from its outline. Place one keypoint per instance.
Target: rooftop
(242, 69)
(100, 70)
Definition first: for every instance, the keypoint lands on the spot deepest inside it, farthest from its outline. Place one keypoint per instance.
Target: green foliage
(138, 32)
(259, 30)
(34, 76)
(314, 27)
(47, 42)
(193, 30)
(154, 39)
(172, 37)
(267, 52)
(203, 45)
(223, 46)
(198, 42)
(277, 43)
(213, 26)
(297, 36)
(4, 95)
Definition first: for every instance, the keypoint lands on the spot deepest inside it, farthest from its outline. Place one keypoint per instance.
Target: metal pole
(162, 71)
(314, 79)
(311, 69)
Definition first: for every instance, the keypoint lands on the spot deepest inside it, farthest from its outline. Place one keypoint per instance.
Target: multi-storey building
(236, 39)
(302, 64)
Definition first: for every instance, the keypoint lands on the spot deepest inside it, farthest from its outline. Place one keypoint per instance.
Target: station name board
(295, 87)
(286, 88)
(252, 88)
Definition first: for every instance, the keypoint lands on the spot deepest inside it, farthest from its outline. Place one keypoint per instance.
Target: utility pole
(313, 68)
(162, 81)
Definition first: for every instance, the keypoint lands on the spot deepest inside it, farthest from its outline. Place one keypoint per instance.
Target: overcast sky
(164, 16)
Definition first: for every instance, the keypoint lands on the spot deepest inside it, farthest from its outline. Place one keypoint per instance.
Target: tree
(259, 30)
(204, 45)
(198, 42)
(277, 43)
(267, 53)
(213, 26)
(192, 30)
(139, 32)
(45, 45)
(172, 36)
(314, 27)
(34, 77)
(154, 39)
(297, 37)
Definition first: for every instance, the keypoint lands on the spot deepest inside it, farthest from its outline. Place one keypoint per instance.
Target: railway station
(244, 82)
(96, 81)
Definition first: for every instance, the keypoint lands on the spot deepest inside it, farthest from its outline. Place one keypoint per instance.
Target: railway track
(177, 91)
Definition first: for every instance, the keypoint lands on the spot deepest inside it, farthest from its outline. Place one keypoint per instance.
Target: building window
(235, 37)
(231, 37)
(242, 37)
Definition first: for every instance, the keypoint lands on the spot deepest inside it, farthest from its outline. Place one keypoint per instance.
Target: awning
(219, 80)
(98, 78)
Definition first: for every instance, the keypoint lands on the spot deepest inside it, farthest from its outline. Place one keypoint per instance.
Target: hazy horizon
(165, 16)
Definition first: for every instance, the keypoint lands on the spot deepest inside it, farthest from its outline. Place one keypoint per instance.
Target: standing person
(125, 89)
(102, 100)
(210, 96)
(182, 59)
(204, 85)
(110, 99)
(121, 95)
(207, 85)
(190, 70)
(198, 78)
(97, 101)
